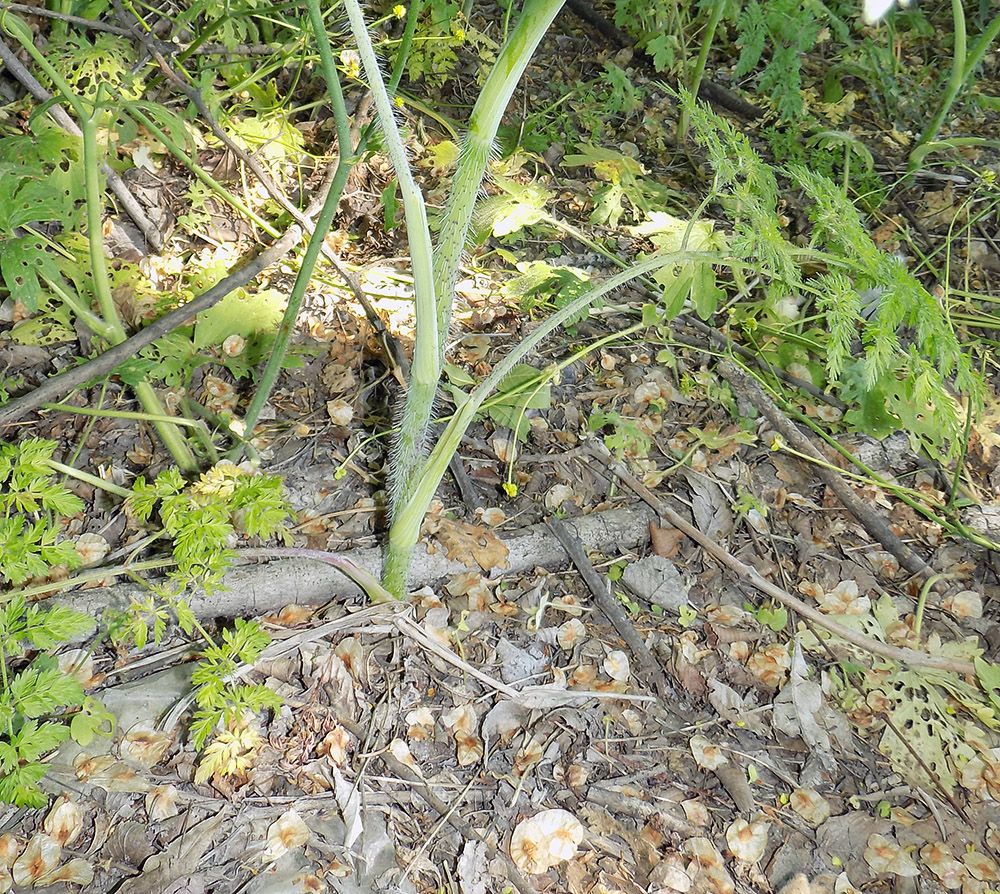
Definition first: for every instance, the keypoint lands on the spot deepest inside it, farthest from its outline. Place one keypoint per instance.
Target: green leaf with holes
(240, 313)
(33, 201)
(24, 263)
(42, 179)
(925, 719)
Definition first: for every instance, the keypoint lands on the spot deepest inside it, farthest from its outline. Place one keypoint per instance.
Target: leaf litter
(502, 730)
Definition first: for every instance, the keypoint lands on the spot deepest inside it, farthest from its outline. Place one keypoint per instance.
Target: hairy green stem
(434, 300)
(405, 528)
(536, 16)
(425, 370)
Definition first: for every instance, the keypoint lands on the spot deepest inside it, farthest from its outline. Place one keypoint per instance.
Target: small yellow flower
(399, 11)
(778, 443)
(459, 34)
(351, 62)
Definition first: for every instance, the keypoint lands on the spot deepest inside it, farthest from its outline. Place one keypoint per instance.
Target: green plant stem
(918, 615)
(184, 158)
(323, 222)
(405, 529)
(425, 370)
(120, 414)
(434, 299)
(112, 329)
(93, 480)
(147, 395)
(963, 65)
(698, 71)
(487, 114)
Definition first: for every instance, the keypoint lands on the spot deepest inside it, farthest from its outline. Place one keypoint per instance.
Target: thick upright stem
(487, 114)
(698, 72)
(964, 63)
(408, 461)
(425, 371)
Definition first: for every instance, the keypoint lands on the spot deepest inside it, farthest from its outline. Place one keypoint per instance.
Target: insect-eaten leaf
(239, 313)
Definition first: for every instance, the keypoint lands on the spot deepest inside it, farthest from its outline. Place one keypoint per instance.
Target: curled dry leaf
(162, 803)
(10, 847)
(545, 840)
(349, 651)
(887, 856)
(74, 872)
(87, 767)
(964, 604)
(461, 720)
(981, 867)
(770, 664)
(144, 746)
(727, 615)
(79, 664)
(707, 754)
(463, 724)
(570, 633)
(695, 812)
(286, 833)
(674, 878)
(40, 857)
(583, 676)
(939, 859)
(64, 821)
(401, 752)
(340, 412)
(616, 665)
(91, 548)
(334, 745)
(633, 721)
(746, 840)
(529, 754)
(420, 724)
(811, 806)
(469, 750)
(557, 495)
(707, 865)
(492, 516)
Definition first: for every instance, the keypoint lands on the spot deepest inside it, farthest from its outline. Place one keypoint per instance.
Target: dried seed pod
(545, 840)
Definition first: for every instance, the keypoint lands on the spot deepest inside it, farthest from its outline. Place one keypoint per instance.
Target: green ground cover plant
(911, 358)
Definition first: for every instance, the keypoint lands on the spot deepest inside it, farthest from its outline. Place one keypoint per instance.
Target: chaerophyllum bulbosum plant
(417, 469)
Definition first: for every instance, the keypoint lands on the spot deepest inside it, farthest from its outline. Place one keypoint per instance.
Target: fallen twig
(911, 657)
(747, 387)
(57, 386)
(655, 678)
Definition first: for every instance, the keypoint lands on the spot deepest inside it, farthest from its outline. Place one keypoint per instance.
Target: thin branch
(747, 387)
(128, 201)
(100, 366)
(911, 657)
